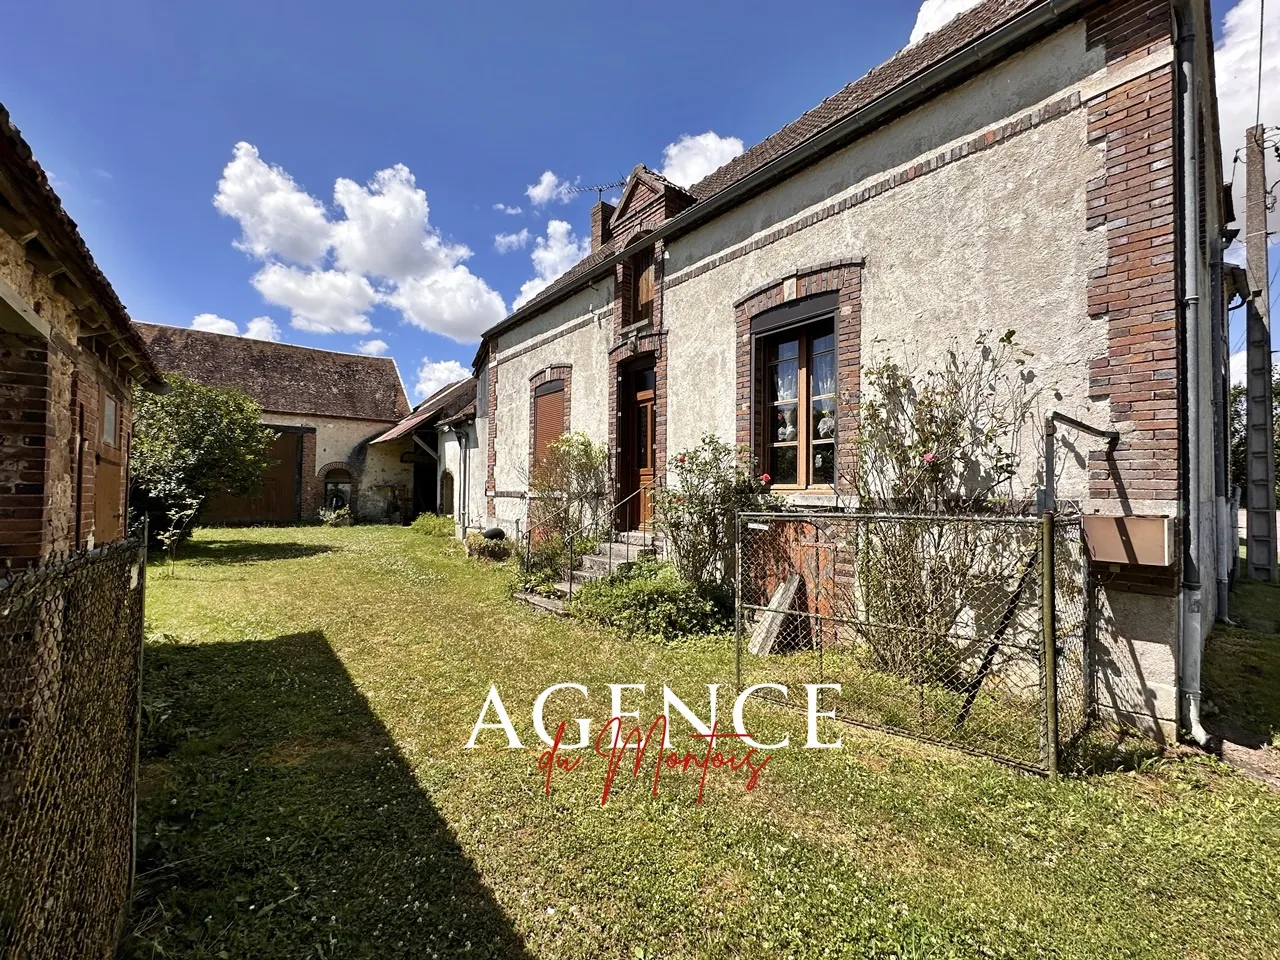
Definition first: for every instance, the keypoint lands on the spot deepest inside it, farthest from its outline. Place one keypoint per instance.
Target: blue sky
(376, 139)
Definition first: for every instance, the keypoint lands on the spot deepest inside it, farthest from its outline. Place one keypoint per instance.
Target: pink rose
(928, 457)
(765, 478)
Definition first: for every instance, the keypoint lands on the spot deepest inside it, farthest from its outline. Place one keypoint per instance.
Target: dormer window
(642, 287)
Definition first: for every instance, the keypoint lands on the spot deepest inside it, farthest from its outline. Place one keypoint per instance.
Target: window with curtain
(799, 408)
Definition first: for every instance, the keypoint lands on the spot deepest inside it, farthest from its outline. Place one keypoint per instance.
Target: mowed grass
(306, 794)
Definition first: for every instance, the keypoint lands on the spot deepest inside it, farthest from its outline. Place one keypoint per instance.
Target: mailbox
(1144, 541)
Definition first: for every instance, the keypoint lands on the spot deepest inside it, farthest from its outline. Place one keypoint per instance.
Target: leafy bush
(648, 599)
(433, 525)
(191, 443)
(478, 546)
(336, 518)
(569, 498)
(713, 482)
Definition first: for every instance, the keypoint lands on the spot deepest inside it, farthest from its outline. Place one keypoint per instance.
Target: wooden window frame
(643, 269)
(113, 442)
(804, 334)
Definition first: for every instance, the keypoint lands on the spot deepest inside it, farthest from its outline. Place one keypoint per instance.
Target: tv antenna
(599, 188)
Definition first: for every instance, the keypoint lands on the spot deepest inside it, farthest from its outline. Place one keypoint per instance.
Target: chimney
(600, 234)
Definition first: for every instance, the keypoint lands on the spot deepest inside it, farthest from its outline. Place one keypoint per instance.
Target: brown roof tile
(283, 378)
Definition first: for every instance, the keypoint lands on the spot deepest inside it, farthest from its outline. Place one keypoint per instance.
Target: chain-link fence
(70, 648)
(940, 627)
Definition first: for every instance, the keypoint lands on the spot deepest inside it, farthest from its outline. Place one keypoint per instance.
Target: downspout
(1226, 530)
(1191, 646)
(464, 478)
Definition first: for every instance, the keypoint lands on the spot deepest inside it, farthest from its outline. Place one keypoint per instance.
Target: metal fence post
(1050, 649)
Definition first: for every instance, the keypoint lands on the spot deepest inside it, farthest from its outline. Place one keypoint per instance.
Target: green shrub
(478, 546)
(647, 599)
(336, 518)
(433, 525)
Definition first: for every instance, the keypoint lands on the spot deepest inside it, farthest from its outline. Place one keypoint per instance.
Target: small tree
(191, 443)
(698, 512)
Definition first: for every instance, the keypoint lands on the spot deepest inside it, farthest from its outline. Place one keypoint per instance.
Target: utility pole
(1260, 488)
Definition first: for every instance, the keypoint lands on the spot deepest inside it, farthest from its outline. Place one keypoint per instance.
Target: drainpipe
(1192, 643)
(463, 495)
(1226, 530)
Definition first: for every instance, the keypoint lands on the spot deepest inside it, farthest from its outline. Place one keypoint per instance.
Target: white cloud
(212, 323)
(372, 348)
(509, 211)
(454, 303)
(691, 158)
(1239, 366)
(436, 374)
(277, 217)
(386, 232)
(548, 188)
(935, 14)
(552, 255)
(382, 250)
(1236, 65)
(321, 301)
(262, 328)
(506, 242)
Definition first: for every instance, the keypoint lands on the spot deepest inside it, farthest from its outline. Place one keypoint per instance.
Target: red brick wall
(1136, 290)
(24, 399)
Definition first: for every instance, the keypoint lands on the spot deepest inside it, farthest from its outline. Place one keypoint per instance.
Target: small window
(337, 489)
(799, 406)
(110, 421)
(642, 287)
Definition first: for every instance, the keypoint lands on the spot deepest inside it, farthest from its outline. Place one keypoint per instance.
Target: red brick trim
(355, 480)
(1135, 291)
(490, 485)
(24, 435)
(557, 371)
(979, 143)
(844, 277)
(312, 487)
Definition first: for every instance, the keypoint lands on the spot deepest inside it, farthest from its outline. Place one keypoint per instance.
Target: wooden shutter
(548, 418)
(643, 267)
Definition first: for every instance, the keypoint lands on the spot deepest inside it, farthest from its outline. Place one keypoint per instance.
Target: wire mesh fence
(965, 631)
(70, 647)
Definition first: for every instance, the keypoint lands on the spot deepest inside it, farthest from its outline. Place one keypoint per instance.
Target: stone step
(638, 537)
(536, 600)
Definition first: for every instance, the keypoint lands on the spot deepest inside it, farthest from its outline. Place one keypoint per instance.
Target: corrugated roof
(282, 377)
(446, 402)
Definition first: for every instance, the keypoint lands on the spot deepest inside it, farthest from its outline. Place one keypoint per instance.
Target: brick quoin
(1136, 289)
(24, 434)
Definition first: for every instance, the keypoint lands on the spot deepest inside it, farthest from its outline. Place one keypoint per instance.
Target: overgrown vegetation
(698, 513)
(191, 443)
(942, 440)
(305, 794)
(649, 599)
(483, 548)
(433, 525)
(335, 517)
(570, 493)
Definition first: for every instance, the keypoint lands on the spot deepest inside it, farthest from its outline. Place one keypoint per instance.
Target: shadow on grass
(277, 818)
(209, 552)
(1242, 666)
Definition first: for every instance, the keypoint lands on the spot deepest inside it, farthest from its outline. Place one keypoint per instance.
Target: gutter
(1000, 43)
(1191, 645)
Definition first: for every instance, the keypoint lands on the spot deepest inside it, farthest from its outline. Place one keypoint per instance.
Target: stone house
(1047, 167)
(450, 477)
(69, 360)
(326, 408)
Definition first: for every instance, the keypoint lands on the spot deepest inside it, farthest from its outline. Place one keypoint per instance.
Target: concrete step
(638, 537)
(536, 600)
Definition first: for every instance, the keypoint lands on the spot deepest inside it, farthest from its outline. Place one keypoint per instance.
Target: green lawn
(306, 794)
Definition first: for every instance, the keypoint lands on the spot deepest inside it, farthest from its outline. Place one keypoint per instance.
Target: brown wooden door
(108, 502)
(639, 466)
(276, 501)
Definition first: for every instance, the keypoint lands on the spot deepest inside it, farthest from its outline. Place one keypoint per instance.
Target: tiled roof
(283, 378)
(959, 33)
(18, 159)
(897, 70)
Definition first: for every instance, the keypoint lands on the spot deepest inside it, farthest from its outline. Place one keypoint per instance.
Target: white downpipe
(1192, 643)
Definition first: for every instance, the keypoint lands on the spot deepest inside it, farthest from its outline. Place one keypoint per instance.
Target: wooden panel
(642, 267)
(548, 422)
(108, 502)
(1145, 541)
(276, 501)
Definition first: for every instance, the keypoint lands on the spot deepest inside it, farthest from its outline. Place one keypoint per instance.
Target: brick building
(69, 360)
(326, 408)
(1047, 167)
